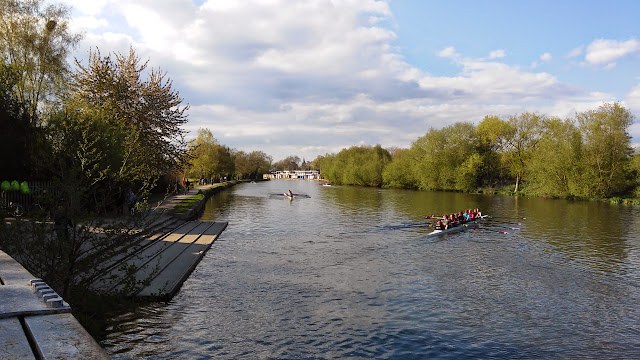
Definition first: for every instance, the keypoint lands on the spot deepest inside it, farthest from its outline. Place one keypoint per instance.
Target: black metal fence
(39, 192)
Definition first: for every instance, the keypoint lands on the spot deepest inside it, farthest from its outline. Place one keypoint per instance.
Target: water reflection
(342, 275)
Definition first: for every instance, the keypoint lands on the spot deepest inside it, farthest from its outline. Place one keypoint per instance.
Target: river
(348, 273)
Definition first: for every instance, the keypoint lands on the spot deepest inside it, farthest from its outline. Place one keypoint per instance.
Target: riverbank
(187, 206)
(161, 236)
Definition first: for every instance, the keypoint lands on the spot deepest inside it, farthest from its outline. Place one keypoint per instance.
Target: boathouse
(295, 174)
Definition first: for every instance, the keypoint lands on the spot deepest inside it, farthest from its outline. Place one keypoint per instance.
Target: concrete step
(149, 250)
(157, 231)
(169, 280)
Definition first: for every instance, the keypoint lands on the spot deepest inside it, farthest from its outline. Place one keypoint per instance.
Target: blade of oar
(431, 216)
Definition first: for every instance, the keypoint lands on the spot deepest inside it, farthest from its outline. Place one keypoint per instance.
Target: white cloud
(84, 23)
(449, 52)
(602, 51)
(633, 103)
(546, 57)
(575, 52)
(633, 100)
(87, 8)
(496, 54)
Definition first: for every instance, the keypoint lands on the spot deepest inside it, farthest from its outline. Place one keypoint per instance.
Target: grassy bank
(195, 201)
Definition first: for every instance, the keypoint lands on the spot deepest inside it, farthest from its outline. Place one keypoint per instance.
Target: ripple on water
(346, 274)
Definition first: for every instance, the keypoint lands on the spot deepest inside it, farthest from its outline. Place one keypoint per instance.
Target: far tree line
(586, 156)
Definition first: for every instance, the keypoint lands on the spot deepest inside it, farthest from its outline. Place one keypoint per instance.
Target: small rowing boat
(458, 228)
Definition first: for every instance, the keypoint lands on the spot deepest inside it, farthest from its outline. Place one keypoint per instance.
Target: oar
(432, 216)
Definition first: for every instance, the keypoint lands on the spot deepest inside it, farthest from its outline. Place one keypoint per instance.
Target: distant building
(296, 174)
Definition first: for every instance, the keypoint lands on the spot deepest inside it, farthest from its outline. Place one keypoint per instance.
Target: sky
(307, 78)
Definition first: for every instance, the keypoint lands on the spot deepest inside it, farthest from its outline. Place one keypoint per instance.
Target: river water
(348, 273)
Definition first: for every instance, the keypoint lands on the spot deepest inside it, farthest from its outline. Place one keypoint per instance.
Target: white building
(296, 174)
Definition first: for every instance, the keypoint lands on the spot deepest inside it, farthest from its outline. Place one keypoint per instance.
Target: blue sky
(524, 30)
(308, 78)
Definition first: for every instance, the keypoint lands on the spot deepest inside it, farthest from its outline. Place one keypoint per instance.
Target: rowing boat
(458, 228)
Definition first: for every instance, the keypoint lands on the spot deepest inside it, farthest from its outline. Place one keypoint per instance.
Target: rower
(446, 223)
(460, 218)
(452, 220)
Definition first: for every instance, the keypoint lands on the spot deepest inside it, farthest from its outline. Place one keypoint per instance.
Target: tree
(290, 163)
(15, 125)
(399, 173)
(37, 40)
(492, 134)
(525, 133)
(260, 163)
(145, 115)
(607, 149)
(555, 165)
(208, 158)
(444, 158)
(252, 165)
(358, 165)
(317, 163)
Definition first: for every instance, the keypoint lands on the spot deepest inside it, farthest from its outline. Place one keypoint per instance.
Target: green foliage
(252, 165)
(36, 40)
(556, 162)
(399, 172)
(524, 135)
(444, 158)
(148, 112)
(607, 149)
(289, 163)
(209, 158)
(585, 157)
(492, 135)
(358, 165)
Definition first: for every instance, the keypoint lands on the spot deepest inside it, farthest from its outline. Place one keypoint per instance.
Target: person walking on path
(186, 187)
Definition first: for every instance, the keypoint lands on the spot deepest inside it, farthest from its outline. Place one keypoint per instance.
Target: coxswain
(439, 225)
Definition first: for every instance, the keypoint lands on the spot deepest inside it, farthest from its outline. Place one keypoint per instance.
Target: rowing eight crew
(451, 220)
